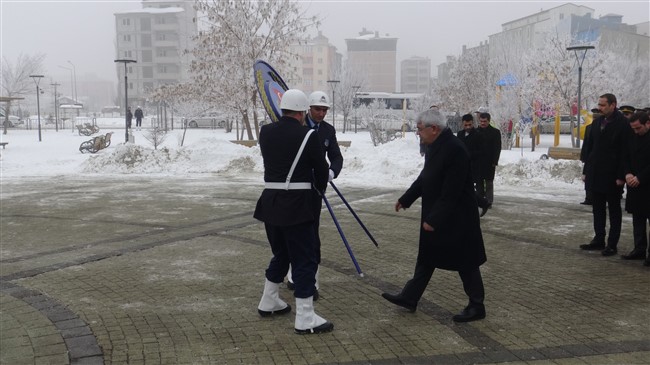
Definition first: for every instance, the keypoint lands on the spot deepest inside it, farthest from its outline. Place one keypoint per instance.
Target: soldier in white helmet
(294, 166)
(318, 108)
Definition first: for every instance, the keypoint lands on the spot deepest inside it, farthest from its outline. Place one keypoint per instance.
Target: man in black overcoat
(604, 175)
(471, 139)
(450, 231)
(491, 138)
(294, 165)
(637, 176)
(318, 107)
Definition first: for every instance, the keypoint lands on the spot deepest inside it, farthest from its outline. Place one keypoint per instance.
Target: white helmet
(319, 98)
(295, 100)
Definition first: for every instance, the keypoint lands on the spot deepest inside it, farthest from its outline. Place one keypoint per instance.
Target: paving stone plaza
(147, 270)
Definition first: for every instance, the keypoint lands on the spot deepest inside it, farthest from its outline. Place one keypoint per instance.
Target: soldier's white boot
(307, 321)
(271, 303)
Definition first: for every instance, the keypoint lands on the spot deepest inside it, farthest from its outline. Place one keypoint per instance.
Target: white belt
(289, 186)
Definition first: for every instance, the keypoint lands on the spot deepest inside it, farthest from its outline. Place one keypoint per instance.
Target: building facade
(376, 56)
(156, 37)
(316, 62)
(415, 75)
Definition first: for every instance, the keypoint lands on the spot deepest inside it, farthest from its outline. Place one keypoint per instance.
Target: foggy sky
(83, 31)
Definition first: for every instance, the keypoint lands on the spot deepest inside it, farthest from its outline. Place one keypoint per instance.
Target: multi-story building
(156, 37)
(316, 63)
(415, 75)
(375, 56)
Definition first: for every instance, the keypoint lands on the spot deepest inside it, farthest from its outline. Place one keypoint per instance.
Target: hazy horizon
(83, 32)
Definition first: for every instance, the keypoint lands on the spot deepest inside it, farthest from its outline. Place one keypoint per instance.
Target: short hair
(485, 116)
(642, 117)
(611, 98)
(432, 117)
(467, 118)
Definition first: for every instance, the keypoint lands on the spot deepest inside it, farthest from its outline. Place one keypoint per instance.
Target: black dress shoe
(284, 310)
(609, 251)
(470, 313)
(586, 202)
(634, 255)
(483, 211)
(593, 246)
(398, 300)
(325, 327)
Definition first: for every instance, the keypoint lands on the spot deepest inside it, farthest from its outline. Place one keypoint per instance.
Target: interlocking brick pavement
(159, 270)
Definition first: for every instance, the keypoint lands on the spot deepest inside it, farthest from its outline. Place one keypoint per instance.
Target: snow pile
(538, 173)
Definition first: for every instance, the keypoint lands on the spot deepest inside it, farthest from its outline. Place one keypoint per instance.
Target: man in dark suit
(318, 107)
(491, 151)
(450, 230)
(583, 154)
(603, 175)
(472, 140)
(637, 177)
(293, 166)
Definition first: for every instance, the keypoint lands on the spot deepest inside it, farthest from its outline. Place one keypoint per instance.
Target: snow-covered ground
(206, 152)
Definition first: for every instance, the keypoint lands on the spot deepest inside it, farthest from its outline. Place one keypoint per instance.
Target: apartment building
(315, 63)
(376, 56)
(415, 75)
(156, 37)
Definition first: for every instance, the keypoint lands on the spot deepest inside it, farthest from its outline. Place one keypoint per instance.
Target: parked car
(548, 125)
(13, 120)
(207, 122)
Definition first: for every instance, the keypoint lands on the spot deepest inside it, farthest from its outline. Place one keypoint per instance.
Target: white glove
(331, 176)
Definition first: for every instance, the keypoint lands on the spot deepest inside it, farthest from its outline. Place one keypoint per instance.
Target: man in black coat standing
(491, 138)
(469, 136)
(450, 230)
(293, 166)
(637, 176)
(318, 107)
(604, 175)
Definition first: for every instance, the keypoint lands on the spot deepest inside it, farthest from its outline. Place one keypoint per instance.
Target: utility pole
(56, 107)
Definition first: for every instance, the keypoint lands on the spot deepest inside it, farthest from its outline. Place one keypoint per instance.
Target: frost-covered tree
(156, 136)
(16, 81)
(349, 77)
(468, 86)
(235, 34)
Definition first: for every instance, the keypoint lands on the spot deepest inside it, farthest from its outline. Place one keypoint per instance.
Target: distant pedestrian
(637, 176)
(604, 176)
(450, 230)
(138, 118)
(129, 118)
(491, 151)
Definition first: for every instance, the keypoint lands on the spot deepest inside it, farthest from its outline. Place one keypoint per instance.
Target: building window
(145, 40)
(146, 55)
(147, 72)
(127, 54)
(126, 37)
(162, 69)
(131, 85)
(320, 72)
(561, 16)
(126, 21)
(320, 60)
(130, 69)
(145, 24)
(160, 36)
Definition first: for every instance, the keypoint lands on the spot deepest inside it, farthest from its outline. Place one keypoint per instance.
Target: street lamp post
(71, 82)
(37, 80)
(126, 98)
(584, 50)
(74, 72)
(356, 107)
(333, 83)
(56, 108)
